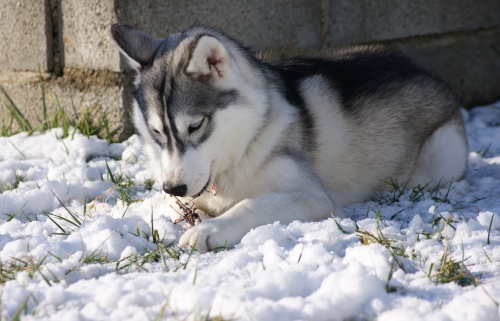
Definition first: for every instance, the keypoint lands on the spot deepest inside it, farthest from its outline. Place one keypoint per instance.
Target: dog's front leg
(229, 228)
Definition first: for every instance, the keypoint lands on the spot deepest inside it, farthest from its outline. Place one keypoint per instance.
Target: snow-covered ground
(83, 238)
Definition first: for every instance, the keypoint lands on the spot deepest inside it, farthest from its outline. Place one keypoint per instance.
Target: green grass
(134, 263)
(18, 178)
(415, 194)
(442, 198)
(9, 270)
(393, 246)
(74, 221)
(22, 309)
(451, 270)
(123, 185)
(398, 189)
(14, 215)
(161, 254)
(483, 151)
(90, 121)
(15, 115)
(489, 229)
(148, 183)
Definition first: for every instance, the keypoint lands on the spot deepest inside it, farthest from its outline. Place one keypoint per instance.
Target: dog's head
(191, 102)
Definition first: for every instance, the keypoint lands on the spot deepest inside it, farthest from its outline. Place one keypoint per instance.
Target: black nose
(179, 190)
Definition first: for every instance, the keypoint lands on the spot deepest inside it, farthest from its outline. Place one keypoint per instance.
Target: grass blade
(489, 229)
(53, 221)
(77, 220)
(21, 153)
(110, 174)
(23, 123)
(22, 307)
(17, 212)
(45, 124)
(341, 229)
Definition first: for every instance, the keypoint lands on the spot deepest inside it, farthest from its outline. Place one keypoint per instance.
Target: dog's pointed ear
(209, 61)
(137, 46)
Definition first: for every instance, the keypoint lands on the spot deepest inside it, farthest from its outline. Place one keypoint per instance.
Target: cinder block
(85, 38)
(360, 21)
(469, 62)
(263, 24)
(26, 35)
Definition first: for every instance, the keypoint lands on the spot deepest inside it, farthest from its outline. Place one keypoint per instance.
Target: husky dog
(284, 140)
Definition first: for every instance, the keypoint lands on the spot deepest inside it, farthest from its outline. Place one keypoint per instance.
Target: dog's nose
(178, 190)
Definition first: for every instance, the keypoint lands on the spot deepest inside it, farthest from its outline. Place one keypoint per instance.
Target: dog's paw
(205, 236)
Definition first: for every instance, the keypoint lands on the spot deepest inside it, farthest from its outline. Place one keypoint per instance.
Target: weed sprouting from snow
(489, 229)
(451, 270)
(73, 219)
(367, 237)
(442, 198)
(148, 183)
(413, 194)
(17, 149)
(162, 254)
(398, 190)
(190, 254)
(28, 264)
(123, 184)
(161, 313)
(483, 151)
(22, 309)
(340, 228)
(12, 185)
(14, 215)
(96, 257)
(388, 287)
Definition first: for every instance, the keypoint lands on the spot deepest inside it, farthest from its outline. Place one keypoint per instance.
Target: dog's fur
(285, 140)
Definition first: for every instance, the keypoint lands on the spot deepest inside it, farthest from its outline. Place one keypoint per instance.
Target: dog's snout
(177, 190)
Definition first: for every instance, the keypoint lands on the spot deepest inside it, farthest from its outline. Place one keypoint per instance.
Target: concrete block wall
(361, 21)
(69, 39)
(25, 35)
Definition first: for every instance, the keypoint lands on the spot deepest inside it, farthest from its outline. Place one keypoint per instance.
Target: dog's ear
(136, 45)
(209, 61)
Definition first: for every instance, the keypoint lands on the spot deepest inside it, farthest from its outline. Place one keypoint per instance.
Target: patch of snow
(71, 248)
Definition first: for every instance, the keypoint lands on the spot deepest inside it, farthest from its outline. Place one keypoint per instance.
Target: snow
(72, 247)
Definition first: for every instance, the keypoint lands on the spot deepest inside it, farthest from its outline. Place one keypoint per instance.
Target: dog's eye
(194, 127)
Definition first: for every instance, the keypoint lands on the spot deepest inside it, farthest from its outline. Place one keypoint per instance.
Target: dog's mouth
(204, 189)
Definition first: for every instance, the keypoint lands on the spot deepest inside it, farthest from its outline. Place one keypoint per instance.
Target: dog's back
(369, 113)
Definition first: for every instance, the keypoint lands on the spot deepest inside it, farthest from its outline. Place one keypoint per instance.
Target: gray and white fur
(285, 140)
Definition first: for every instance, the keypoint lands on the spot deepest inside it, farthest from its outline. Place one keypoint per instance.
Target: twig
(188, 213)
